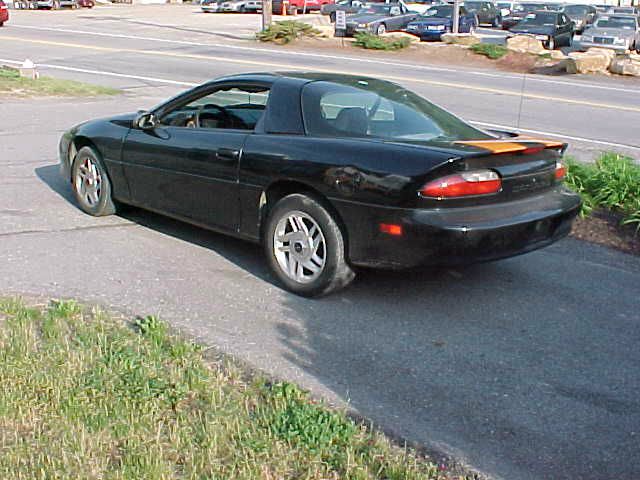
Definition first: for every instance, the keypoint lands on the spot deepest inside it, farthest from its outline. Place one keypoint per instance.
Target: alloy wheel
(299, 247)
(88, 182)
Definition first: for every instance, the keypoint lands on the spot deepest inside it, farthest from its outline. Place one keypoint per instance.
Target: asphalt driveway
(527, 368)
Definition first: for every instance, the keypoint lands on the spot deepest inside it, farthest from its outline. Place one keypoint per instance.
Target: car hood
(609, 32)
(533, 29)
(423, 22)
(368, 18)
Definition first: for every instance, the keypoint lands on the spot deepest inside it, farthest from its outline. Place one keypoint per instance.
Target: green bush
(613, 182)
(374, 42)
(489, 50)
(286, 31)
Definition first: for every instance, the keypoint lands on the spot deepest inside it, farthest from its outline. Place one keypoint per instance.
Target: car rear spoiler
(516, 144)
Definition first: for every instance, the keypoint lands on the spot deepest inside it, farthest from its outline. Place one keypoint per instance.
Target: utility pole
(267, 12)
(456, 16)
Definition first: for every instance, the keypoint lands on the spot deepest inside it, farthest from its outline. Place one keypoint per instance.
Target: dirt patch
(517, 62)
(604, 228)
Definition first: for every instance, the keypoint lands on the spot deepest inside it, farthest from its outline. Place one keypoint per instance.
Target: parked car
(624, 11)
(77, 4)
(439, 20)
(554, 29)
(519, 11)
(486, 12)
(46, 4)
(505, 8)
(210, 6)
(4, 13)
(378, 18)
(618, 32)
(300, 6)
(240, 6)
(348, 6)
(328, 172)
(581, 15)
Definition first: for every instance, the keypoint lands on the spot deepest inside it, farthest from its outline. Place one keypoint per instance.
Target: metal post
(267, 12)
(456, 16)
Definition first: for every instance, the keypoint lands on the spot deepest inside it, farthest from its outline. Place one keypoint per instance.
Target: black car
(486, 12)
(328, 172)
(519, 11)
(581, 15)
(378, 18)
(554, 29)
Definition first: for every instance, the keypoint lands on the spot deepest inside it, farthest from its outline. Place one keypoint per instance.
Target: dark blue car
(439, 20)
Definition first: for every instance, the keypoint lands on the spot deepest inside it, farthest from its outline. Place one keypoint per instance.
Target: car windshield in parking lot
(378, 109)
(527, 7)
(540, 18)
(441, 11)
(576, 10)
(379, 9)
(626, 23)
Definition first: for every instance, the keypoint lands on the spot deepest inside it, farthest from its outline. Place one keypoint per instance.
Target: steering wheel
(225, 113)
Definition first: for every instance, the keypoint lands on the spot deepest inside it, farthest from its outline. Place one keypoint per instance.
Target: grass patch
(612, 182)
(374, 42)
(84, 395)
(494, 52)
(12, 83)
(286, 31)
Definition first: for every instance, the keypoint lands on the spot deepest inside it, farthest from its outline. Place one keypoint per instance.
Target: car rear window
(377, 109)
(540, 18)
(617, 22)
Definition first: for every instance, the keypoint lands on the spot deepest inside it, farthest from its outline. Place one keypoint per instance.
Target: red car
(4, 13)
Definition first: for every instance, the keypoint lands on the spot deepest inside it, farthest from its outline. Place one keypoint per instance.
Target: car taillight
(561, 171)
(478, 182)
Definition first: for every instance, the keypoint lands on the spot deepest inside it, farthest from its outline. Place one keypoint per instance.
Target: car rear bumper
(449, 236)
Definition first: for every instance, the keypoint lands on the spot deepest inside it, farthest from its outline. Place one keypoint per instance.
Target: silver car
(618, 32)
(240, 6)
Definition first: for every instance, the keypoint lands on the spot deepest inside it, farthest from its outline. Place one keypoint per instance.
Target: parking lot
(524, 369)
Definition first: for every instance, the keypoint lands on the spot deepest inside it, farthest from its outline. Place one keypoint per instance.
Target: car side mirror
(146, 121)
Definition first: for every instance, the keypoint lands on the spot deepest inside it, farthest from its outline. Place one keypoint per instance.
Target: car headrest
(352, 120)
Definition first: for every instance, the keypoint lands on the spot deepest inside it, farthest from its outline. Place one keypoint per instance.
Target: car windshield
(526, 7)
(379, 9)
(503, 5)
(577, 10)
(473, 5)
(441, 11)
(625, 23)
(378, 109)
(540, 18)
(553, 7)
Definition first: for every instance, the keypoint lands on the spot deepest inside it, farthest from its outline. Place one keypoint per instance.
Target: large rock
(397, 35)
(525, 44)
(460, 38)
(557, 55)
(625, 65)
(584, 62)
(607, 52)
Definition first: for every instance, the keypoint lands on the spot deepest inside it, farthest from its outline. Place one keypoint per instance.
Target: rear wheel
(497, 22)
(551, 43)
(332, 17)
(91, 184)
(56, 5)
(381, 30)
(305, 247)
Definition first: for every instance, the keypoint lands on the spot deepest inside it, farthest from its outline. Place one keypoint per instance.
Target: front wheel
(305, 247)
(91, 185)
(497, 23)
(332, 17)
(381, 30)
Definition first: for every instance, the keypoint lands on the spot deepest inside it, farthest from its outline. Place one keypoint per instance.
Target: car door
(564, 28)
(187, 164)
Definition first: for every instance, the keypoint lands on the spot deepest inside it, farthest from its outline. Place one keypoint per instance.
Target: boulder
(398, 35)
(607, 52)
(460, 38)
(583, 62)
(625, 65)
(557, 55)
(525, 44)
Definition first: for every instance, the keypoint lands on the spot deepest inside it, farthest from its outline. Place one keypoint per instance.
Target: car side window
(237, 108)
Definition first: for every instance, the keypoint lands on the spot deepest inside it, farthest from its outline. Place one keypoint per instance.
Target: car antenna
(522, 88)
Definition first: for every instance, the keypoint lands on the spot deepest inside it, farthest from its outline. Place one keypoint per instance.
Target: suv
(486, 12)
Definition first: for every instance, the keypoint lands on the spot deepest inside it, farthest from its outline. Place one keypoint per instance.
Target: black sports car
(329, 172)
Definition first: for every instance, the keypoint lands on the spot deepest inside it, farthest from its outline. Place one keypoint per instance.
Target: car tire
(570, 41)
(243, 9)
(472, 30)
(497, 23)
(91, 184)
(381, 29)
(312, 261)
(551, 43)
(332, 17)
(56, 5)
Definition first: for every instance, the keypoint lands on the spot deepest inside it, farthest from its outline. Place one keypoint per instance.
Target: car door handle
(227, 154)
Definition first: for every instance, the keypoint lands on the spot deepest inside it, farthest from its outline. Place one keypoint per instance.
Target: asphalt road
(527, 368)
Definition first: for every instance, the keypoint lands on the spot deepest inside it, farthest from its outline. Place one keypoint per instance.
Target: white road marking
(190, 84)
(530, 77)
(556, 135)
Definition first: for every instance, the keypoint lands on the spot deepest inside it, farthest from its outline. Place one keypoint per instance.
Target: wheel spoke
(316, 244)
(285, 238)
(309, 265)
(293, 223)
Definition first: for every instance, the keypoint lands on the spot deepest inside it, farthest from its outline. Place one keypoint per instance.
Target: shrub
(494, 52)
(613, 182)
(374, 42)
(286, 31)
